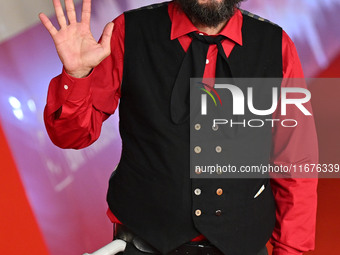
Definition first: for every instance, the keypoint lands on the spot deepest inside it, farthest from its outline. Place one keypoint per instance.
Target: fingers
(47, 23)
(106, 37)
(71, 13)
(60, 13)
(86, 12)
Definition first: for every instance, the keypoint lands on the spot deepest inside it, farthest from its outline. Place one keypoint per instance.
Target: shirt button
(218, 149)
(197, 149)
(198, 126)
(198, 212)
(218, 213)
(65, 87)
(207, 61)
(197, 192)
(219, 192)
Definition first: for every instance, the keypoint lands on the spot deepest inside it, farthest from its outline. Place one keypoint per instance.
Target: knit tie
(193, 66)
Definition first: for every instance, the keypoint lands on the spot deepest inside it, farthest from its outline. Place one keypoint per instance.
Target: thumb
(106, 37)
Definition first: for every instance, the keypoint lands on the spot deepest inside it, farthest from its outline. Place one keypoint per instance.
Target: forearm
(296, 203)
(70, 118)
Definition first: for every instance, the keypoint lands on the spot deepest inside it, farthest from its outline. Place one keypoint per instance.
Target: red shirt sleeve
(296, 198)
(76, 107)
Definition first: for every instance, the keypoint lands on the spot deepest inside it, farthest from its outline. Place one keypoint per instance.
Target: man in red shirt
(90, 87)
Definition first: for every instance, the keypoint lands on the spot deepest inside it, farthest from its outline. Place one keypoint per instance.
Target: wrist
(79, 74)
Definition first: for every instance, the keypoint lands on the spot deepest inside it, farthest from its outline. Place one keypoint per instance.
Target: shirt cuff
(74, 89)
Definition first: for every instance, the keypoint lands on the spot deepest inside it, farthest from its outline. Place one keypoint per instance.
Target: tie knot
(206, 38)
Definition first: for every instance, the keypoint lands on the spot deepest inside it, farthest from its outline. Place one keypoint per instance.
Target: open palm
(77, 49)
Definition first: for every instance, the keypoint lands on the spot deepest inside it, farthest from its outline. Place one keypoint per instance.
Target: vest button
(198, 170)
(218, 213)
(218, 149)
(198, 126)
(219, 192)
(198, 212)
(197, 149)
(197, 192)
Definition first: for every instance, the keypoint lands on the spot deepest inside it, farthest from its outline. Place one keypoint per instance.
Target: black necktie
(193, 66)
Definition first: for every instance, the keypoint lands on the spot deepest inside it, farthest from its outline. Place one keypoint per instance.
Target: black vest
(151, 191)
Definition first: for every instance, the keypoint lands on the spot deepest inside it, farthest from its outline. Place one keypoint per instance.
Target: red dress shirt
(76, 108)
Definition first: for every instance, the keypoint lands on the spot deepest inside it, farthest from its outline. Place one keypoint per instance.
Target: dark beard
(209, 14)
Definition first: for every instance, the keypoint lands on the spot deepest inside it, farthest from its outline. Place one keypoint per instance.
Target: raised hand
(77, 49)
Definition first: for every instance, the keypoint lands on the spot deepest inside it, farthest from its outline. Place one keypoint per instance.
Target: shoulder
(154, 17)
(258, 23)
(255, 17)
(148, 10)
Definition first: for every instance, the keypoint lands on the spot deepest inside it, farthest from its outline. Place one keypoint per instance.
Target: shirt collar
(181, 24)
